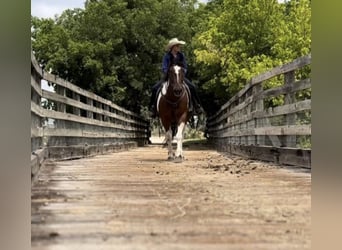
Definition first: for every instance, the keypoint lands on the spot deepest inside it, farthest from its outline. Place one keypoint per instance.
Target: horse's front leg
(168, 136)
(179, 137)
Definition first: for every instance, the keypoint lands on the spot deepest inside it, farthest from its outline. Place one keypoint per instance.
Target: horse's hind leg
(168, 136)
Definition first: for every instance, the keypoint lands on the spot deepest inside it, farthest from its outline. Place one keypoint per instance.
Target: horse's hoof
(178, 159)
(170, 158)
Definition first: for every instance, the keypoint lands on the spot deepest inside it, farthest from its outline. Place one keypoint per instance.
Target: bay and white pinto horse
(173, 108)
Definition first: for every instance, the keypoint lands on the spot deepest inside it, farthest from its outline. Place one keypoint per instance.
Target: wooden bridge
(97, 184)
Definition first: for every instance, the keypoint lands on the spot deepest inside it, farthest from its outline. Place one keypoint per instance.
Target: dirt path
(137, 200)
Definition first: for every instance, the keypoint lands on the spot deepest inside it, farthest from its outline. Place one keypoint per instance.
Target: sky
(49, 8)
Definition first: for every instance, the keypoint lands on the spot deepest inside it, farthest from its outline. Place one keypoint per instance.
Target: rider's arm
(165, 64)
(185, 64)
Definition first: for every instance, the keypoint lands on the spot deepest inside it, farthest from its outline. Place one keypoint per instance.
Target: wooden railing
(77, 123)
(268, 123)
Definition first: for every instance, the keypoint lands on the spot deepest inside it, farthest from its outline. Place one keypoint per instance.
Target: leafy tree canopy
(115, 47)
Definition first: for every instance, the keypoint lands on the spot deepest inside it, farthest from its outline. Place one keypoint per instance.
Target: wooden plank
(296, 64)
(238, 132)
(37, 160)
(36, 86)
(65, 100)
(138, 200)
(289, 88)
(290, 98)
(61, 82)
(286, 156)
(76, 110)
(258, 97)
(271, 112)
(60, 91)
(63, 132)
(35, 65)
(129, 124)
(36, 132)
(61, 99)
(70, 117)
(284, 130)
(285, 109)
(82, 151)
(276, 111)
(38, 110)
(272, 130)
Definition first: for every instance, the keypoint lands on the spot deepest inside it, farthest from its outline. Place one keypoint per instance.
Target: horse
(173, 108)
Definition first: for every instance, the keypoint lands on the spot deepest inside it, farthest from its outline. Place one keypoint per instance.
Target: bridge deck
(138, 200)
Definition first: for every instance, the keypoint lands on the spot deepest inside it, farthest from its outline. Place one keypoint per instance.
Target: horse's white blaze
(177, 69)
(179, 138)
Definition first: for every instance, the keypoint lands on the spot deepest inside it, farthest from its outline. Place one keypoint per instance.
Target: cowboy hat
(173, 42)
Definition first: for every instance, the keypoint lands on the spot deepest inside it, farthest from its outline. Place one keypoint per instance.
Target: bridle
(179, 92)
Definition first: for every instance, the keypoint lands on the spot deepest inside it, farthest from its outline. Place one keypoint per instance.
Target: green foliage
(191, 133)
(240, 39)
(304, 142)
(115, 47)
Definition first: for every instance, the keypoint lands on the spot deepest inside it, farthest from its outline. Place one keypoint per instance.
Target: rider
(174, 55)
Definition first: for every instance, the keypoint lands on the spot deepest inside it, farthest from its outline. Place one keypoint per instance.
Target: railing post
(61, 107)
(250, 139)
(259, 107)
(90, 103)
(105, 117)
(290, 98)
(99, 106)
(76, 97)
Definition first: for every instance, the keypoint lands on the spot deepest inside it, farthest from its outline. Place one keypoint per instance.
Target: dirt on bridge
(137, 200)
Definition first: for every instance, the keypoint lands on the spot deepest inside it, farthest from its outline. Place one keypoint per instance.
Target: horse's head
(176, 79)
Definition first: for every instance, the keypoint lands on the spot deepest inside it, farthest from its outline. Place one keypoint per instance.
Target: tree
(240, 39)
(112, 48)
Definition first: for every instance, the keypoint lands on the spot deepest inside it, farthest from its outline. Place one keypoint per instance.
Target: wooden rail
(77, 123)
(248, 125)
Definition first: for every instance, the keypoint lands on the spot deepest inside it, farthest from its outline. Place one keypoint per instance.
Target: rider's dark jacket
(169, 58)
